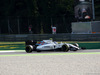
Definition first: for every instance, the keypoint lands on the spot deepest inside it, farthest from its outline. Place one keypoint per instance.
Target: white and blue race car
(46, 45)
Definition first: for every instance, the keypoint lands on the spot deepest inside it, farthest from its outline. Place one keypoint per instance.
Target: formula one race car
(49, 45)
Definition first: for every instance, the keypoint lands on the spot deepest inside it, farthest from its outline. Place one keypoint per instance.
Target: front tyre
(38, 50)
(29, 49)
(65, 48)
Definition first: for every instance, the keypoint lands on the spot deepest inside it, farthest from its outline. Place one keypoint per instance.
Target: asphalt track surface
(82, 62)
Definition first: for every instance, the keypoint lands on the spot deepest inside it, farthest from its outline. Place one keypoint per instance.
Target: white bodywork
(50, 45)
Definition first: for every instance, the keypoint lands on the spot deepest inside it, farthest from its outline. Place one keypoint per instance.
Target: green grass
(12, 42)
(21, 45)
(80, 42)
(12, 45)
(58, 42)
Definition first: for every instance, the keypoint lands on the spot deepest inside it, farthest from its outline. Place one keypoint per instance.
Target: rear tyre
(65, 48)
(28, 49)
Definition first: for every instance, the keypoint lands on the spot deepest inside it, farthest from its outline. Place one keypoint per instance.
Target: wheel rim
(28, 49)
(65, 48)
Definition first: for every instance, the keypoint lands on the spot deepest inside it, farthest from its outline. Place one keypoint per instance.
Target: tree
(37, 13)
(97, 9)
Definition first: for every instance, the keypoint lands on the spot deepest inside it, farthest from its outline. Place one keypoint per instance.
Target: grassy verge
(21, 45)
(81, 41)
(12, 42)
(58, 42)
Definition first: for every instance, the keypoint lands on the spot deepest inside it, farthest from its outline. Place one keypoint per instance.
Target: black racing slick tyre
(29, 49)
(75, 50)
(65, 48)
(38, 50)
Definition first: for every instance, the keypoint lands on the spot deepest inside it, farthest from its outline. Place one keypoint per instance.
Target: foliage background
(17, 15)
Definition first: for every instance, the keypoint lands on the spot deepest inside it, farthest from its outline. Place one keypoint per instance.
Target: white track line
(6, 51)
